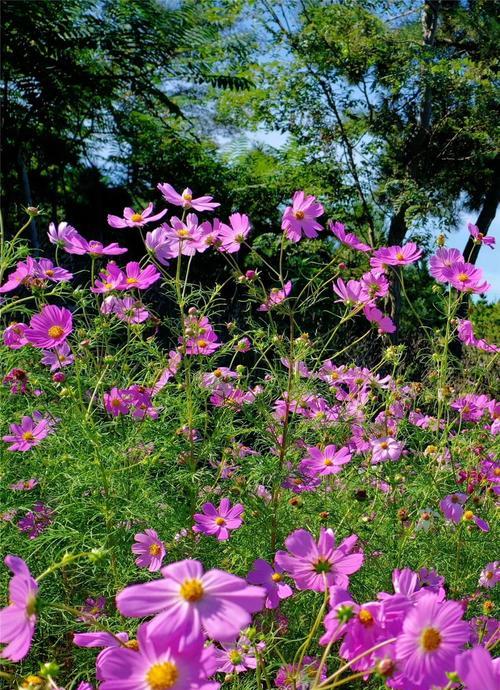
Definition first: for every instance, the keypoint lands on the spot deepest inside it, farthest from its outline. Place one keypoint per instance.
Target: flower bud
(49, 669)
(58, 377)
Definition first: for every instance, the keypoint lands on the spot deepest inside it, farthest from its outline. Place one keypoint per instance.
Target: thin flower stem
(325, 683)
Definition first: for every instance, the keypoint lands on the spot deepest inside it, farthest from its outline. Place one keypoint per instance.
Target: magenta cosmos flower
(150, 550)
(314, 565)
(14, 336)
(137, 277)
(28, 434)
(479, 237)
(219, 522)
(490, 575)
(276, 296)
(320, 463)
(300, 217)
(232, 236)
(465, 332)
(395, 256)
(272, 580)
(131, 219)
(50, 327)
(162, 660)
(385, 448)
(452, 506)
(236, 657)
(465, 277)
(433, 634)
(202, 203)
(191, 600)
(443, 259)
(18, 619)
(348, 238)
(477, 670)
(95, 248)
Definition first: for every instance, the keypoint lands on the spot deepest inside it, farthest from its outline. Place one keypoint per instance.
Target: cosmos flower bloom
(348, 238)
(236, 657)
(36, 521)
(28, 434)
(442, 260)
(116, 402)
(131, 219)
(129, 310)
(137, 277)
(276, 296)
(160, 244)
(375, 284)
(24, 485)
(385, 448)
(490, 575)
(219, 522)
(185, 236)
(17, 379)
(95, 248)
(202, 203)
(320, 463)
(58, 357)
(293, 677)
(465, 333)
(465, 277)
(93, 609)
(479, 237)
(66, 237)
(477, 669)
(300, 218)
(233, 235)
(174, 361)
(433, 634)
(452, 506)
(50, 327)
(33, 272)
(189, 600)
(162, 659)
(350, 293)
(314, 565)
(14, 336)
(271, 578)
(150, 550)
(18, 619)
(395, 256)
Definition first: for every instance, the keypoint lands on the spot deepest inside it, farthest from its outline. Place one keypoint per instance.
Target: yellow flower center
(299, 215)
(235, 657)
(136, 218)
(183, 232)
(489, 574)
(220, 521)
(55, 332)
(202, 343)
(400, 256)
(49, 272)
(116, 402)
(108, 286)
(468, 515)
(162, 676)
(384, 445)
(463, 277)
(132, 281)
(154, 549)
(217, 373)
(28, 436)
(192, 590)
(276, 577)
(32, 680)
(430, 640)
(328, 462)
(365, 617)
(132, 644)
(186, 196)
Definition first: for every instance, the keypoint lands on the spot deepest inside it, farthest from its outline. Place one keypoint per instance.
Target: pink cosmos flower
(185, 236)
(110, 278)
(219, 522)
(131, 219)
(17, 379)
(236, 657)
(443, 259)
(490, 575)
(28, 434)
(66, 237)
(116, 402)
(271, 578)
(299, 218)
(385, 448)
(320, 463)
(18, 619)
(465, 277)
(452, 506)
(477, 670)
(316, 565)
(14, 336)
(375, 284)
(433, 634)
(174, 362)
(479, 237)
(293, 677)
(95, 248)
(465, 333)
(163, 659)
(276, 296)
(58, 357)
(350, 293)
(233, 235)
(150, 550)
(190, 601)
(202, 203)
(36, 521)
(93, 609)
(137, 277)
(348, 238)
(160, 244)
(395, 256)
(26, 485)
(50, 327)
(129, 310)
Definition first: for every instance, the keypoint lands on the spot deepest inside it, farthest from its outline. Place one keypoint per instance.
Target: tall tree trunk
(486, 215)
